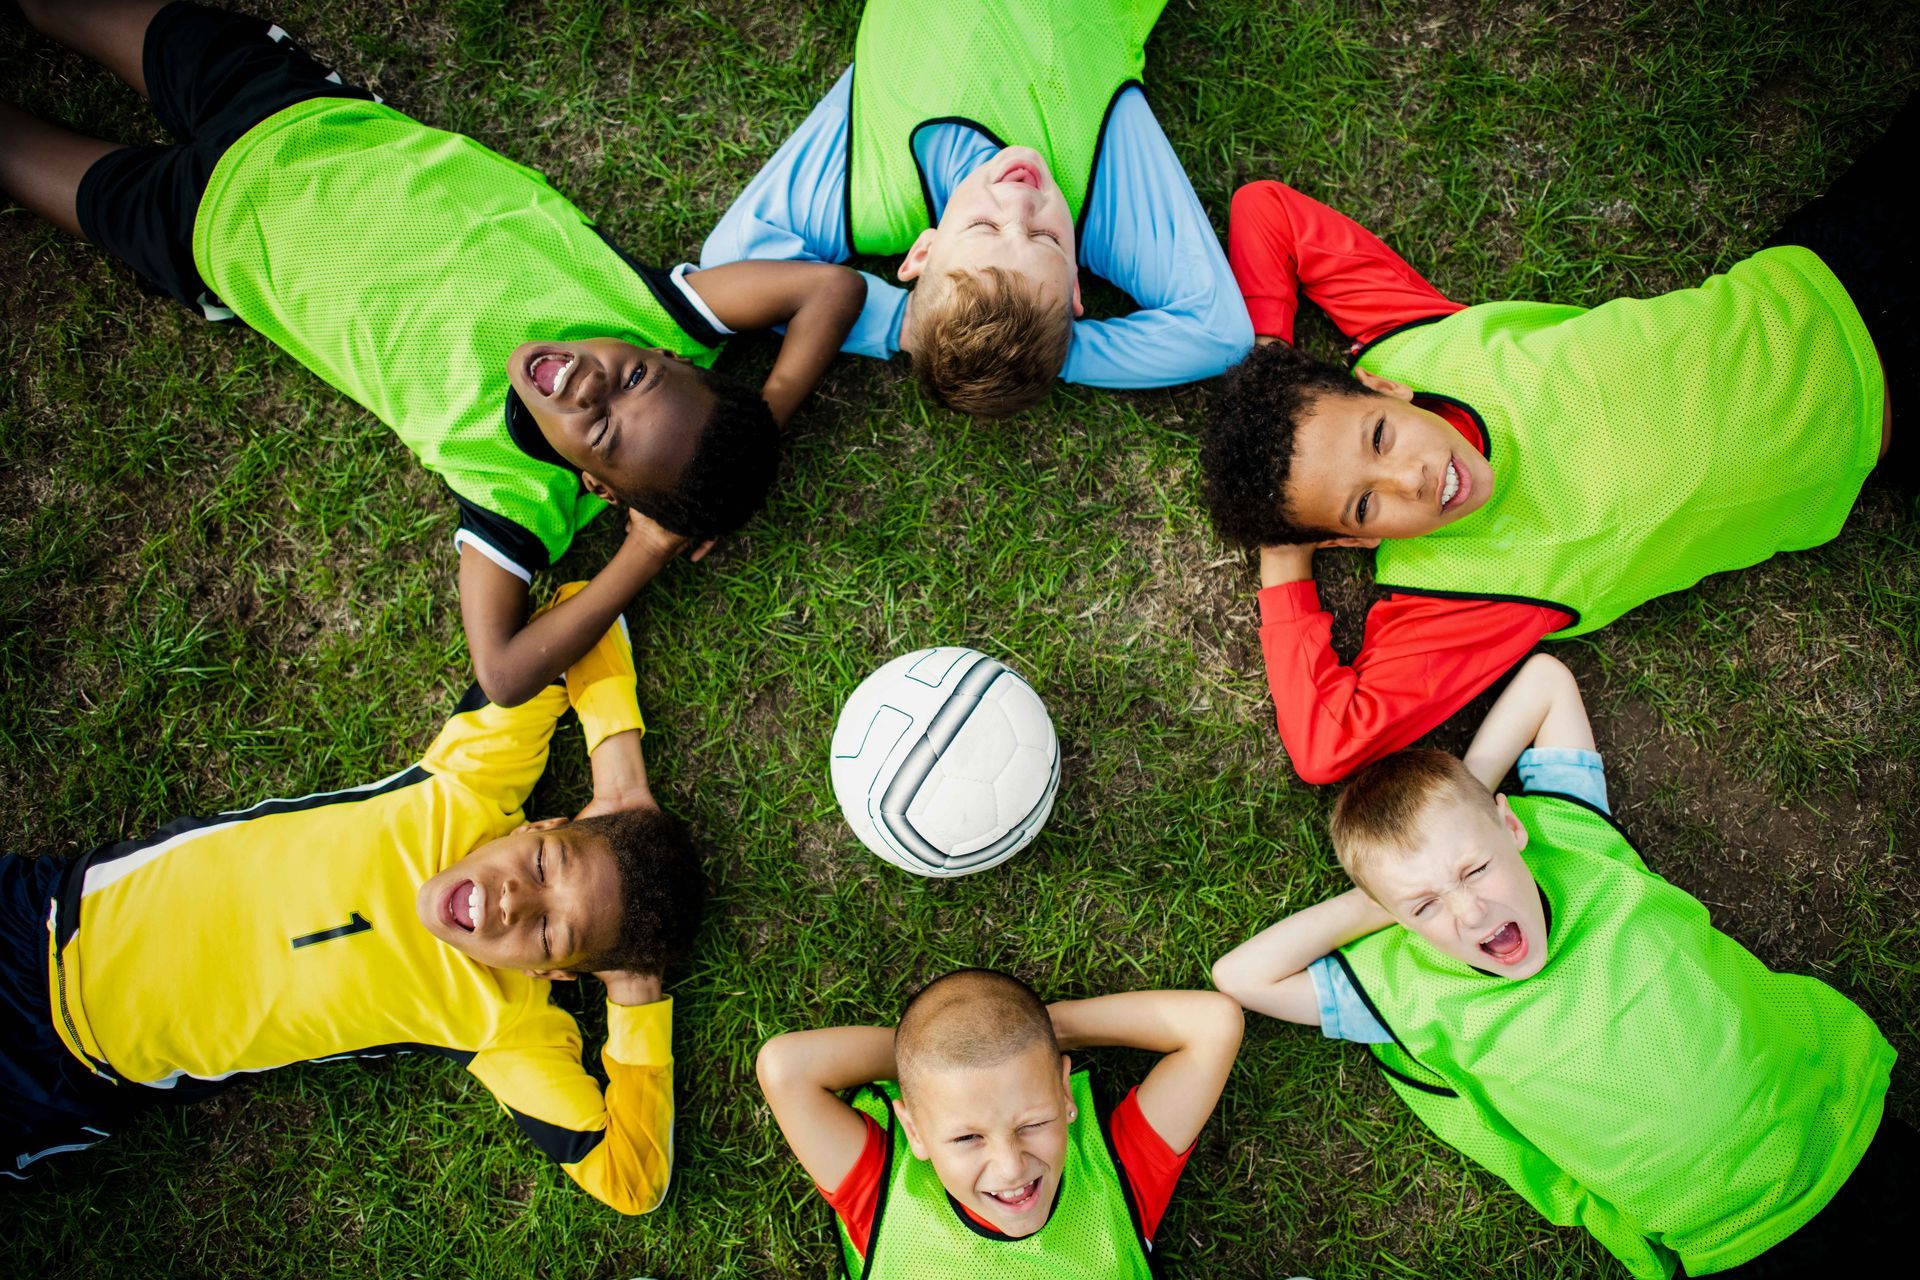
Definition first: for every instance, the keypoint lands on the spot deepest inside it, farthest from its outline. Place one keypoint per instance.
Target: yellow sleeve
(602, 686)
(617, 1146)
(497, 751)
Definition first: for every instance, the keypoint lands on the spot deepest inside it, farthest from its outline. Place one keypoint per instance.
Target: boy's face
(1467, 890)
(997, 1136)
(1007, 213)
(1378, 466)
(543, 900)
(628, 417)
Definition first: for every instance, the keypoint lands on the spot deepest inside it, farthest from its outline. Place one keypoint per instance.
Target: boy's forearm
(1292, 562)
(1284, 950)
(814, 336)
(620, 773)
(1540, 706)
(1157, 1021)
(515, 662)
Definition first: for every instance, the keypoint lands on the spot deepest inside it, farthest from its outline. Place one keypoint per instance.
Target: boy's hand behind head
(1300, 451)
(985, 1095)
(553, 899)
(1438, 852)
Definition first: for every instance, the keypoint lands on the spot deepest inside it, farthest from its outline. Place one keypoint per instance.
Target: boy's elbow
(774, 1066)
(1228, 981)
(1220, 1021)
(503, 686)
(1319, 773)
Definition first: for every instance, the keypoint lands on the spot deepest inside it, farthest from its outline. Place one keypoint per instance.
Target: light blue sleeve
(1145, 231)
(1343, 1014)
(1569, 771)
(794, 210)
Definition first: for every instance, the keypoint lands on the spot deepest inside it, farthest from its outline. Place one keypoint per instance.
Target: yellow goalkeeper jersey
(287, 933)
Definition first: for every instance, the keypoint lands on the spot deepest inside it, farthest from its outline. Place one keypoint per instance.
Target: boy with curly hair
(1530, 471)
(1575, 1025)
(537, 369)
(421, 912)
(1000, 145)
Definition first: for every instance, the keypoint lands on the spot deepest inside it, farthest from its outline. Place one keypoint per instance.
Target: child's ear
(912, 1130)
(916, 260)
(545, 824)
(1078, 310)
(1511, 821)
(553, 975)
(1365, 544)
(598, 488)
(1385, 386)
(1066, 1087)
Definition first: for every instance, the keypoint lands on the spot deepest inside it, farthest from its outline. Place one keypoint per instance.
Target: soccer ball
(944, 762)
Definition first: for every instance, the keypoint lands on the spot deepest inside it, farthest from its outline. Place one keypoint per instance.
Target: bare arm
(817, 302)
(1268, 972)
(1197, 1031)
(1540, 707)
(513, 659)
(802, 1073)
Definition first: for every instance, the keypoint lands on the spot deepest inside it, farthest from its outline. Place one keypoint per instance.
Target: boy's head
(644, 427)
(994, 314)
(1421, 837)
(1298, 450)
(984, 1095)
(555, 899)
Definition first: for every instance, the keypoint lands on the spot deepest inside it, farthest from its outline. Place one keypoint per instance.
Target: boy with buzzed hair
(1574, 1024)
(420, 912)
(523, 356)
(1000, 145)
(987, 1157)
(1530, 471)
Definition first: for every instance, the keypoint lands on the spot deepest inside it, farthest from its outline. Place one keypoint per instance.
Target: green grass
(220, 580)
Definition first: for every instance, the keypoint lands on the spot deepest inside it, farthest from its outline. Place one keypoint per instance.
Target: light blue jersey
(1143, 229)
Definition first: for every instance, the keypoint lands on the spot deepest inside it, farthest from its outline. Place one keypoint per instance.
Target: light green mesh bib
(1654, 1083)
(1031, 73)
(1644, 444)
(920, 1234)
(403, 265)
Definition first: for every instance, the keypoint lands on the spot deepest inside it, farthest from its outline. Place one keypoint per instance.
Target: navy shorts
(211, 76)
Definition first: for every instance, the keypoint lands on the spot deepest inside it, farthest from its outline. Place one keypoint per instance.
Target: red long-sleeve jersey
(1423, 657)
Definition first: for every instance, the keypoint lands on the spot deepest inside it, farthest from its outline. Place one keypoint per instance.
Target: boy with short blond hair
(986, 1157)
(1000, 145)
(1574, 1024)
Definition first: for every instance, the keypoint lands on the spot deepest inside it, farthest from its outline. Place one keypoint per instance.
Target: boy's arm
(1540, 708)
(1268, 972)
(802, 1074)
(514, 658)
(816, 301)
(1422, 659)
(1283, 244)
(1145, 230)
(1198, 1032)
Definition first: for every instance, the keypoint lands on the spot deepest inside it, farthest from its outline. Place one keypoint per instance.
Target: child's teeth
(1452, 486)
(473, 905)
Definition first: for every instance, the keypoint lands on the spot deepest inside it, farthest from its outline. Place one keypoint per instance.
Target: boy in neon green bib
(1574, 1024)
(454, 294)
(988, 1157)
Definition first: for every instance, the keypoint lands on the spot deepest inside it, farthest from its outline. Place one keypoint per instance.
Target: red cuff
(1288, 602)
(1272, 317)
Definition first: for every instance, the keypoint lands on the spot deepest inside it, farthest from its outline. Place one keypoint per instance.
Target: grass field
(220, 580)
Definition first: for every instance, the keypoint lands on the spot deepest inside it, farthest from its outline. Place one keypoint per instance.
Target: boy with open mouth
(1001, 145)
(1530, 471)
(988, 1157)
(1575, 1024)
(519, 353)
(421, 912)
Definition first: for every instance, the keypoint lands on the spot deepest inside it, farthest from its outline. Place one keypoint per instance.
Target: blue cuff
(1566, 770)
(1343, 1013)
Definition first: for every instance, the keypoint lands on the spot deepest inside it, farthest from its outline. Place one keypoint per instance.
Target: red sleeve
(1423, 659)
(1149, 1165)
(858, 1194)
(1282, 244)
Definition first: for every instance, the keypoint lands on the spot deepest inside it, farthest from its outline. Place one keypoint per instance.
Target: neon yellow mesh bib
(920, 1234)
(1644, 444)
(403, 264)
(1032, 73)
(1654, 1083)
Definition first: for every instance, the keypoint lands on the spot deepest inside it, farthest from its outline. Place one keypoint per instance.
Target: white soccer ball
(945, 762)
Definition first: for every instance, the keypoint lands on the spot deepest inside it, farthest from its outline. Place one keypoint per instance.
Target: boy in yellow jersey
(421, 912)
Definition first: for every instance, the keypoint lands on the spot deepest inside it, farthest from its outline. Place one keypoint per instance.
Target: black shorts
(211, 76)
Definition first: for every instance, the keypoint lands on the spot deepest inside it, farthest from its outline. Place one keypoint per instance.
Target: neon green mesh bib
(920, 1234)
(1644, 444)
(403, 265)
(1032, 73)
(1654, 1083)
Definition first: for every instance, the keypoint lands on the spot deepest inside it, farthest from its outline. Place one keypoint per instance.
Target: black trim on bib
(1438, 1091)
(1394, 332)
(1440, 594)
(1105, 1122)
(880, 1197)
(1479, 423)
(1610, 821)
(926, 192)
(1340, 959)
(509, 537)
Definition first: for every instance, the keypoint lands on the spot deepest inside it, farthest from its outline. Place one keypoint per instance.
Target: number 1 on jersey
(356, 923)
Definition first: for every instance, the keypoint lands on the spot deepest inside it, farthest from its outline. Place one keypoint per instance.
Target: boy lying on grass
(1576, 1025)
(420, 912)
(987, 1158)
(519, 353)
(1528, 470)
(1001, 145)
